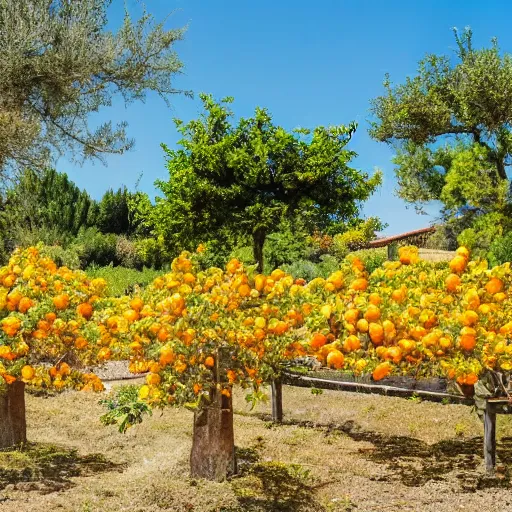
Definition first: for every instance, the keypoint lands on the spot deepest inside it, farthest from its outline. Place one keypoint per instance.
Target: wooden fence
(493, 406)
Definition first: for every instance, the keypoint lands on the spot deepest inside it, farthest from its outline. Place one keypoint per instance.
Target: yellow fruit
(335, 359)
(27, 372)
(326, 311)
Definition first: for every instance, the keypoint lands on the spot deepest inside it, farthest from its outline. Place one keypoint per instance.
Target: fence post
(489, 436)
(393, 251)
(277, 400)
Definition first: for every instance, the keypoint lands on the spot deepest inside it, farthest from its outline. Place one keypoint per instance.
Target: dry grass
(336, 452)
(436, 255)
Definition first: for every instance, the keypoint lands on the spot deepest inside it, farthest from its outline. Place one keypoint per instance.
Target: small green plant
(316, 391)
(415, 398)
(256, 397)
(124, 408)
(460, 430)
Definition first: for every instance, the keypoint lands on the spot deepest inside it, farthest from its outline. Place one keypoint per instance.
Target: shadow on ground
(414, 462)
(273, 486)
(47, 467)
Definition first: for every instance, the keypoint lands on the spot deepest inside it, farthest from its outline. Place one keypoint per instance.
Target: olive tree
(60, 63)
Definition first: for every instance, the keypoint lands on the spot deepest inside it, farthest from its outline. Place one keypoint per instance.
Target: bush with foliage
(357, 237)
(484, 230)
(96, 247)
(500, 251)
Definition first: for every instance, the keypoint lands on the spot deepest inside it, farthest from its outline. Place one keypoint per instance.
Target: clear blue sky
(309, 63)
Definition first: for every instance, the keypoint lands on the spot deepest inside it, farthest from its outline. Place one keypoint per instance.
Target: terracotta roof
(382, 242)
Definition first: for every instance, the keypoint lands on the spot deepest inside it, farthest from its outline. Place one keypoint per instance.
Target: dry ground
(337, 452)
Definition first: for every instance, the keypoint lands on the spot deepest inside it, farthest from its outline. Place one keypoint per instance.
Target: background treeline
(83, 233)
(48, 207)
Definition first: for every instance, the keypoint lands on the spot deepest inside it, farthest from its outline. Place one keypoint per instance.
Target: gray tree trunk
(13, 424)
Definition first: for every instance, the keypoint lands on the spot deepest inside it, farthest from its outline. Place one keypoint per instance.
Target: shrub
(356, 238)
(284, 247)
(69, 257)
(126, 253)
(480, 236)
(152, 252)
(308, 270)
(501, 250)
(372, 258)
(95, 247)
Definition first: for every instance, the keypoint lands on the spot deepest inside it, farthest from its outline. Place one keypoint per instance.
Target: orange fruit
(472, 298)
(104, 354)
(463, 251)
(351, 315)
(467, 340)
(277, 274)
(131, 315)
(233, 266)
(362, 325)
(469, 318)
(85, 310)
(25, 304)
(153, 379)
(351, 343)
(381, 371)
(399, 295)
(452, 282)
(407, 345)
(11, 325)
(162, 335)
(376, 333)
(360, 284)
(259, 282)
(27, 372)
(64, 369)
(335, 359)
(458, 264)
(372, 314)
(394, 354)
(445, 342)
(61, 301)
(494, 285)
(209, 362)
(166, 356)
(318, 341)
(375, 299)
(244, 290)
(137, 304)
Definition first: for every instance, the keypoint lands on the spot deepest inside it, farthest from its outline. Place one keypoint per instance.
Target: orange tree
(411, 317)
(47, 334)
(198, 333)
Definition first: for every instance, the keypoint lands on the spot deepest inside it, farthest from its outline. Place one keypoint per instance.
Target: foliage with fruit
(49, 331)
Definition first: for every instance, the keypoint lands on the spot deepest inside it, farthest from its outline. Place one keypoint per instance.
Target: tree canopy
(246, 178)
(60, 64)
(450, 125)
(46, 200)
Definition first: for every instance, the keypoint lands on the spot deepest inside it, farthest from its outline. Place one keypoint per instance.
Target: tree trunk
(13, 425)
(277, 400)
(213, 445)
(258, 237)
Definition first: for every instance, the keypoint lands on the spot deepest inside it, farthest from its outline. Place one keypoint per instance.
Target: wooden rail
(493, 406)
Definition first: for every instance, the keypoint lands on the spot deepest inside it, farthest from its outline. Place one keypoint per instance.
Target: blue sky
(309, 63)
